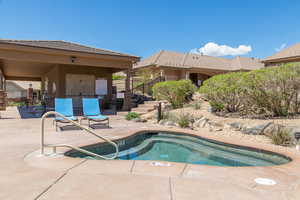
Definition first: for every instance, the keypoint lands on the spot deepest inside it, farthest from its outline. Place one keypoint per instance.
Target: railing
(141, 87)
(43, 145)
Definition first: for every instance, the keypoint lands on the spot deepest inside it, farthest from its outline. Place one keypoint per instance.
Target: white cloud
(282, 46)
(213, 49)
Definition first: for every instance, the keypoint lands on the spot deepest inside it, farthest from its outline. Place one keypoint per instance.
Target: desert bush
(132, 115)
(282, 137)
(175, 92)
(225, 91)
(273, 90)
(184, 120)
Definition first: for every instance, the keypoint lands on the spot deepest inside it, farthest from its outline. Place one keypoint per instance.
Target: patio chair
(91, 111)
(64, 106)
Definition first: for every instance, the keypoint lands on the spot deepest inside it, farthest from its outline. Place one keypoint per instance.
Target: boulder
(256, 130)
(271, 129)
(294, 130)
(201, 123)
(214, 126)
(161, 122)
(198, 118)
(237, 126)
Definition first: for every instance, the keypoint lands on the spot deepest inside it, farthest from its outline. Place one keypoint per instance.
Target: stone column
(162, 74)
(187, 75)
(127, 95)
(1, 80)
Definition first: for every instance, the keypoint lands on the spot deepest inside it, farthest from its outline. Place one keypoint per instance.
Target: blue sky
(142, 27)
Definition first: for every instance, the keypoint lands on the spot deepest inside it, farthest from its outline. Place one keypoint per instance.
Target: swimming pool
(174, 147)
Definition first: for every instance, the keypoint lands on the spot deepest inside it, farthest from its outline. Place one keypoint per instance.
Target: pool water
(185, 149)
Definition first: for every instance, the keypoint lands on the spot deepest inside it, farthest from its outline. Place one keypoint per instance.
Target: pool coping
(293, 154)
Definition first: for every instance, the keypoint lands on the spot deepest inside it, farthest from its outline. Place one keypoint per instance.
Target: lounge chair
(64, 106)
(91, 111)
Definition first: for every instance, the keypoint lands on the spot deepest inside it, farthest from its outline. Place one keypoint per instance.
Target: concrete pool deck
(26, 175)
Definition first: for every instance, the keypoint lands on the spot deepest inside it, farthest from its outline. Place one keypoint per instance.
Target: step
(151, 102)
(122, 113)
(147, 106)
(145, 110)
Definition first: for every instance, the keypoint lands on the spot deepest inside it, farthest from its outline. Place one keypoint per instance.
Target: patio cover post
(127, 95)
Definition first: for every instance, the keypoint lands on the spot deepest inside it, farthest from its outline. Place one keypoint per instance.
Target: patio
(26, 175)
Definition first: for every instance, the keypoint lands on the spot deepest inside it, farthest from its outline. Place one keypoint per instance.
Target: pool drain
(160, 164)
(265, 181)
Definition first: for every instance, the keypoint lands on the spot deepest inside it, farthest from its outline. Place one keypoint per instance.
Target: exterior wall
(55, 82)
(182, 74)
(14, 91)
(18, 94)
(94, 71)
(172, 75)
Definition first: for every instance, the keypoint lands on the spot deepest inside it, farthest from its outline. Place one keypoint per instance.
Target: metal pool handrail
(43, 145)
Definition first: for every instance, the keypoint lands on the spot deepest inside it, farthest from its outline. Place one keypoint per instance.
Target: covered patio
(65, 69)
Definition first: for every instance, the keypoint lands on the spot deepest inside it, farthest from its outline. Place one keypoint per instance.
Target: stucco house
(287, 55)
(175, 66)
(17, 90)
(65, 69)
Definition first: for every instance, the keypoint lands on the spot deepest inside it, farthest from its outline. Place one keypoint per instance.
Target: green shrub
(118, 77)
(282, 137)
(216, 106)
(11, 103)
(175, 92)
(132, 115)
(274, 90)
(184, 120)
(224, 91)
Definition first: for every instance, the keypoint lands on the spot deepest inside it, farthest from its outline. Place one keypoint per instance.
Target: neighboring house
(287, 55)
(65, 69)
(17, 90)
(175, 66)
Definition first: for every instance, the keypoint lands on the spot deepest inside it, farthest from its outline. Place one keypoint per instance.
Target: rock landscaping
(204, 120)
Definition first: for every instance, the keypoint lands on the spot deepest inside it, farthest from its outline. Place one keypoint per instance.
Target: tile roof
(190, 60)
(245, 63)
(63, 45)
(292, 51)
